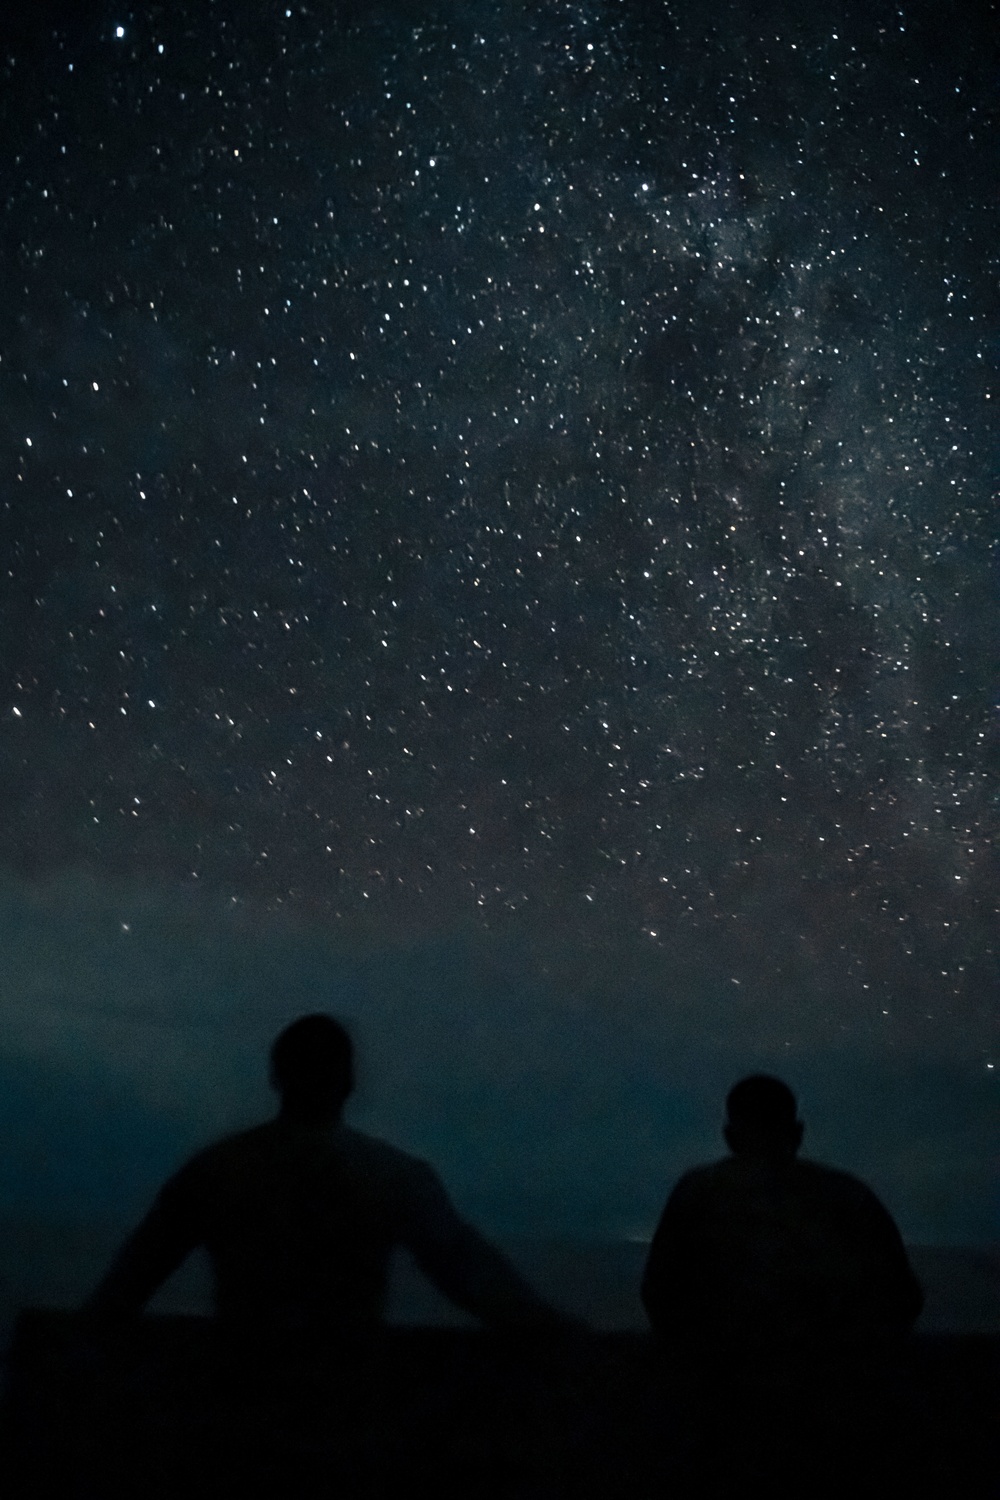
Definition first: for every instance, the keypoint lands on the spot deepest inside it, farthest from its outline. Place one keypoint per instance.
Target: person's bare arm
(466, 1267)
(164, 1238)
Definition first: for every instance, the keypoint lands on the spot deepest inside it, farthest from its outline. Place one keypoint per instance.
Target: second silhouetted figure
(763, 1250)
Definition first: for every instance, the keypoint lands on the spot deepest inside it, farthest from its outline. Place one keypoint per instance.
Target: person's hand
(566, 1351)
(87, 1354)
(94, 1345)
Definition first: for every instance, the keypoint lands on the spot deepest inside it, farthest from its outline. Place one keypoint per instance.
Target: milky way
(514, 464)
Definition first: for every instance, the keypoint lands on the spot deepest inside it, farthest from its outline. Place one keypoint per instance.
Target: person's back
(299, 1216)
(299, 1221)
(764, 1250)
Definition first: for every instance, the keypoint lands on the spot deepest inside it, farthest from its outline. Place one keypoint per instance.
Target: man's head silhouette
(762, 1118)
(312, 1068)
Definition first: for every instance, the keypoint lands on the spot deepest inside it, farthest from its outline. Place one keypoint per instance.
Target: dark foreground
(170, 1412)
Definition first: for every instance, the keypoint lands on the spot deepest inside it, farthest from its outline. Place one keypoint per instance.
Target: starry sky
(518, 471)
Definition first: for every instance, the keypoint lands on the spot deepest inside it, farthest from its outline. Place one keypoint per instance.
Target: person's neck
(310, 1117)
(774, 1158)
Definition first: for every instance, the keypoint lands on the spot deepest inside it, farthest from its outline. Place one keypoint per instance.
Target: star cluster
(513, 463)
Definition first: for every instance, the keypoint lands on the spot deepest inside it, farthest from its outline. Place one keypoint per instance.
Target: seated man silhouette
(299, 1217)
(764, 1251)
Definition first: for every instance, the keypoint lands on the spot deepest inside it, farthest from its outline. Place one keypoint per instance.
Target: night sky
(514, 476)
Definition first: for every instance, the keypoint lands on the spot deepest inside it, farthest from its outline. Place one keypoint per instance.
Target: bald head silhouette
(312, 1068)
(762, 1118)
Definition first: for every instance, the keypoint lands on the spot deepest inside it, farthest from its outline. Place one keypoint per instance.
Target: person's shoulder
(240, 1146)
(699, 1181)
(820, 1172)
(719, 1170)
(376, 1157)
(834, 1182)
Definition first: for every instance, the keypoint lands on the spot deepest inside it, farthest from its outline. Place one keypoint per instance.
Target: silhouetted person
(781, 1292)
(762, 1250)
(299, 1217)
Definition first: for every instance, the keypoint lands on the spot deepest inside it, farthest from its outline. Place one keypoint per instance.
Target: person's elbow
(108, 1312)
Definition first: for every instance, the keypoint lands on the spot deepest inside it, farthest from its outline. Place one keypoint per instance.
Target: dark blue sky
(556, 1097)
(526, 470)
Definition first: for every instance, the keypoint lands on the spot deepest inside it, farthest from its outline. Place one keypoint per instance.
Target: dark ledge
(170, 1410)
